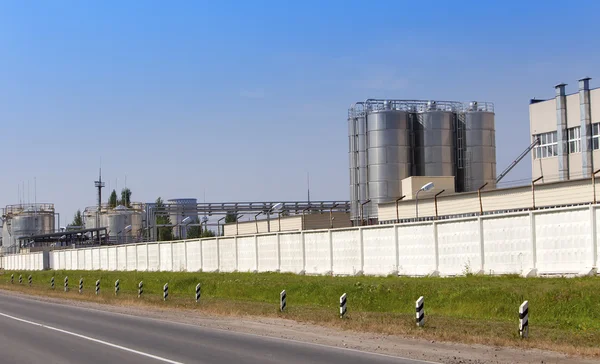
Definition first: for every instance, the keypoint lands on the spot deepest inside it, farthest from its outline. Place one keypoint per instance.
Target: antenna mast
(99, 185)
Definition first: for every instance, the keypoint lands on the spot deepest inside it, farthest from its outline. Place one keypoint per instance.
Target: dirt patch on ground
(282, 328)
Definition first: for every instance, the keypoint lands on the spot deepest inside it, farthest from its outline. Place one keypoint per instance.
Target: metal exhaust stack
(587, 164)
(561, 132)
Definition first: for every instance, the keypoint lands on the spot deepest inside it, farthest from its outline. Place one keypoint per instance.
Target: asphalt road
(33, 331)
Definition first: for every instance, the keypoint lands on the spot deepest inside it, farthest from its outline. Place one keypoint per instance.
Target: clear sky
(243, 98)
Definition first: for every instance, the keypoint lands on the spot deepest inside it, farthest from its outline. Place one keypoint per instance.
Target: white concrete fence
(552, 241)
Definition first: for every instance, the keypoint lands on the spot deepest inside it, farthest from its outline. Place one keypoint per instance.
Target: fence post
(481, 245)
(436, 249)
(236, 253)
(303, 253)
(256, 253)
(158, 244)
(201, 255)
(397, 246)
(533, 270)
(185, 256)
(282, 300)
(172, 258)
(343, 302)
(116, 258)
(330, 252)
(147, 259)
(524, 319)
(594, 237)
(362, 251)
(278, 252)
(420, 310)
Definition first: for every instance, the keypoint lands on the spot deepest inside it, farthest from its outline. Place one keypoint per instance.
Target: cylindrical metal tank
(26, 220)
(185, 207)
(480, 156)
(353, 163)
(361, 176)
(389, 156)
(434, 142)
(120, 218)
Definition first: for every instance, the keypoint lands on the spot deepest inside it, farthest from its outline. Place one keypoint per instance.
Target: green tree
(207, 234)
(112, 200)
(231, 217)
(126, 197)
(164, 233)
(77, 219)
(194, 232)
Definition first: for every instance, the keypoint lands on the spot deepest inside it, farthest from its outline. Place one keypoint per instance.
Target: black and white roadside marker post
(12, 279)
(97, 287)
(165, 291)
(198, 292)
(282, 300)
(67, 284)
(117, 287)
(420, 311)
(140, 289)
(30, 280)
(20, 279)
(343, 309)
(524, 319)
(52, 282)
(80, 285)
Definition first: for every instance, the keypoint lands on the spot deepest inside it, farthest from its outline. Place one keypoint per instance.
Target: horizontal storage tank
(480, 156)
(434, 142)
(389, 156)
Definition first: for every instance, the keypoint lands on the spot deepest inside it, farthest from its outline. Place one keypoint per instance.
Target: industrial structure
(123, 224)
(23, 220)
(390, 140)
(568, 130)
(183, 208)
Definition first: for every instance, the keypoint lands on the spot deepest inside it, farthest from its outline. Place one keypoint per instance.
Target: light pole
(275, 208)
(237, 225)
(219, 226)
(205, 222)
(183, 222)
(427, 187)
(362, 212)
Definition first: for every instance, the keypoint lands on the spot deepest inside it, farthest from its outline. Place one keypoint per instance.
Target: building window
(595, 135)
(547, 147)
(574, 139)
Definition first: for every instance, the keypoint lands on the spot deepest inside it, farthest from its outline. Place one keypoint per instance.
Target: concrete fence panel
(290, 250)
(210, 256)
(166, 258)
(507, 244)
(141, 252)
(194, 255)
(247, 257)
(153, 257)
(346, 252)
(227, 255)
(268, 256)
(459, 247)
(179, 262)
(317, 247)
(379, 250)
(416, 249)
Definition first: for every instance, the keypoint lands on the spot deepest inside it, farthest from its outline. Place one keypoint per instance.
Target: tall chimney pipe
(561, 132)
(587, 161)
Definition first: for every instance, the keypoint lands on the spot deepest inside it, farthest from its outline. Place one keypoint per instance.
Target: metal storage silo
(480, 154)
(434, 142)
(353, 165)
(121, 217)
(185, 207)
(389, 155)
(362, 183)
(26, 220)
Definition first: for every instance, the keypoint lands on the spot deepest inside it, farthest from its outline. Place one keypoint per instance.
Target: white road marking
(165, 360)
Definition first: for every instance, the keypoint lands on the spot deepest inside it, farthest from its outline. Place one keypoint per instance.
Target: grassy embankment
(564, 312)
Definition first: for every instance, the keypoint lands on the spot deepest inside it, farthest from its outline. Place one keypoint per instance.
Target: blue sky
(242, 99)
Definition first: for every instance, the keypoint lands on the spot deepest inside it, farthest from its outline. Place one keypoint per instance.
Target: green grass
(482, 309)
